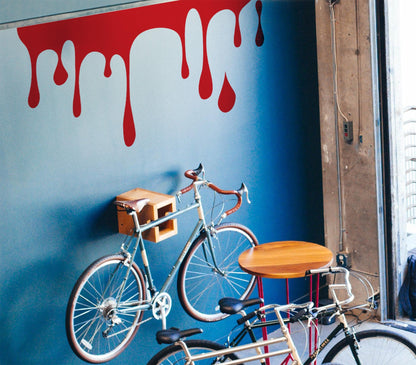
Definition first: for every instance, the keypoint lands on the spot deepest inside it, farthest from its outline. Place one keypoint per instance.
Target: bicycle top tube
(168, 216)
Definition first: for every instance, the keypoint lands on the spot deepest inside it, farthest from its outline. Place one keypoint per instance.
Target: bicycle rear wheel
(201, 283)
(378, 347)
(174, 354)
(98, 324)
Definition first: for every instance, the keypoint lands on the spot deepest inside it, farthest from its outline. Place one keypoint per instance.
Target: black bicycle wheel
(376, 347)
(99, 325)
(174, 354)
(201, 284)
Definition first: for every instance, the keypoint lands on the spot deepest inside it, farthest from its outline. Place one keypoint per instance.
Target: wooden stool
(285, 260)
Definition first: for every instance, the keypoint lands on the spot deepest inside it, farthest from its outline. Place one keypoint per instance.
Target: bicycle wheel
(98, 324)
(174, 354)
(379, 347)
(201, 284)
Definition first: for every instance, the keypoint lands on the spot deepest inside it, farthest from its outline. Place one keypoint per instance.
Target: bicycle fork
(349, 335)
(351, 339)
(209, 231)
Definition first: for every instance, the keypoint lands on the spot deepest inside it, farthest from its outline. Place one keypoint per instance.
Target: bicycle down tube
(140, 244)
(199, 227)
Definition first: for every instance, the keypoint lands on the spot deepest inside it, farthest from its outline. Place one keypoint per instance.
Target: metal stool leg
(264, 329)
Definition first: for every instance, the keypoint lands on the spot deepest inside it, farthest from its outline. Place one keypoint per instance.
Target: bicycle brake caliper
(127, 256)
(212, 231)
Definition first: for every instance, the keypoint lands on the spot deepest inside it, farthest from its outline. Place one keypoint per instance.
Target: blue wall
(59, 174)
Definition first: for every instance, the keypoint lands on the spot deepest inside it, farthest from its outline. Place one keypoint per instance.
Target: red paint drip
(227, 97)
(61, 75)
(114, 33)
(260, 34)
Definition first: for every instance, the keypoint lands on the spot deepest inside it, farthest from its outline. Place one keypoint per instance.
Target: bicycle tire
(92, 308)
(174, 354)
(201, 286)
(377, 346)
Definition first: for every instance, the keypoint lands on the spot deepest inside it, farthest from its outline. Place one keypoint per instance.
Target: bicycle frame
(200, 227)
(248, 328)
(289, 351)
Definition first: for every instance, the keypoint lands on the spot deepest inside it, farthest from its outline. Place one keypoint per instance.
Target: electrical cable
(335, 60)
(337, 110)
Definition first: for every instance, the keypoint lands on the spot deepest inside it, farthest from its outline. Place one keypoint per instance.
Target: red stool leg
(315, 333)
(264, 329)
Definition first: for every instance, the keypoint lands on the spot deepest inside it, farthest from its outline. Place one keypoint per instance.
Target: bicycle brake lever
(243, 189)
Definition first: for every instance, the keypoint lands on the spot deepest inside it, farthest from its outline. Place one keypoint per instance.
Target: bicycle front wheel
(100, 318)
(209, 273)
(378, 347)
(174, 354)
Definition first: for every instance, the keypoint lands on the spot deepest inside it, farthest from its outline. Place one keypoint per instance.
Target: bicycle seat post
(163, 317)
(133, 213)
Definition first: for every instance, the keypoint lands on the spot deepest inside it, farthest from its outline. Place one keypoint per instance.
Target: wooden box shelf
(158, 206)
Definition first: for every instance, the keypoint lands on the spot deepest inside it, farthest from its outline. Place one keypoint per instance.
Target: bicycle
(361, 348)
(107, 303)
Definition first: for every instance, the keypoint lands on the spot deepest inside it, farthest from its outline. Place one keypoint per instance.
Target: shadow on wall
(32, 316)
(96, 221)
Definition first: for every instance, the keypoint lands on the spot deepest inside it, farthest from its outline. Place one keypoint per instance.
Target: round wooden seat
(285, 259)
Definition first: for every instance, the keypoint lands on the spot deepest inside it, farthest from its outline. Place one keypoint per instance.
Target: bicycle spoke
(237, 279)
(199, 274)
(232, 285)
(232, 256)
(98, 294)
(81, 326)
(201, 293)
(84, 312)
(203, 262)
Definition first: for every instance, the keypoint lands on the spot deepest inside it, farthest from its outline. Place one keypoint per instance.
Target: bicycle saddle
(136, 205)
(234, 305)
(171, 335)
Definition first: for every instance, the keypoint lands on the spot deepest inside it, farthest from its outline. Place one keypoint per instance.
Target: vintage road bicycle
(368, 347)
(108, 301)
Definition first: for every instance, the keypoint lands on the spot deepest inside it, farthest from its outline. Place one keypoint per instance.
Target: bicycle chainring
(161, 306)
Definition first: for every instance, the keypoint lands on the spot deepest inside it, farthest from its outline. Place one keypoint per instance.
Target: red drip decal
(227, 97)
(114, 33)
(60, 76)
(259, 34)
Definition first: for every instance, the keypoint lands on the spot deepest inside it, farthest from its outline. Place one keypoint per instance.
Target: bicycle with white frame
(369, 347)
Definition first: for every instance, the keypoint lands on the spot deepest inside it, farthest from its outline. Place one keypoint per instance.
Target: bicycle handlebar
(229, 192)
(194, 176)
(346, 285)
